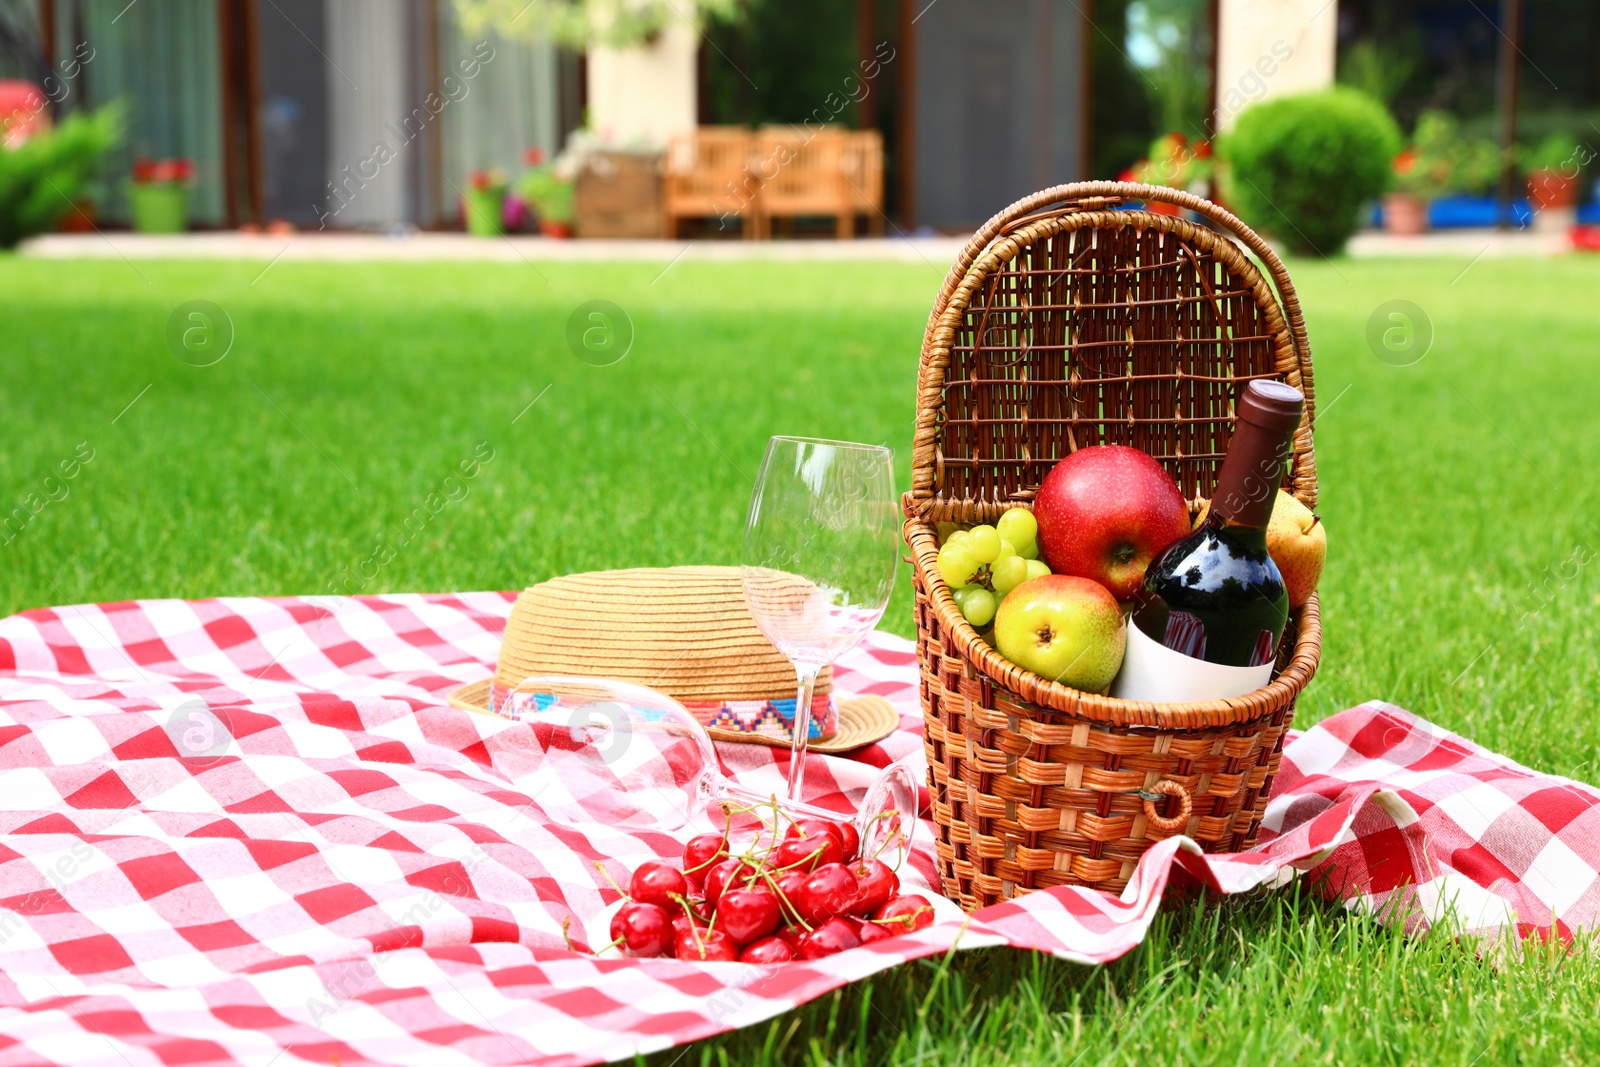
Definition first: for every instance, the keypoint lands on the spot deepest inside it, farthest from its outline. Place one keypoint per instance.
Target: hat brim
(863, 720)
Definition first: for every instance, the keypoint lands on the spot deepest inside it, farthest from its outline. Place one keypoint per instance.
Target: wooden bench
(707, 176)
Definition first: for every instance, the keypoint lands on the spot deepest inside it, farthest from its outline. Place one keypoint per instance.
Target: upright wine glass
(821, 543)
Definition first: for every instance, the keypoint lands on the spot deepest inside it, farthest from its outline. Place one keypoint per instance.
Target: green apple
(1067, 629)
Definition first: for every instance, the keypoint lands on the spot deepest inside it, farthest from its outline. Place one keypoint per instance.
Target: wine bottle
(1213, 604)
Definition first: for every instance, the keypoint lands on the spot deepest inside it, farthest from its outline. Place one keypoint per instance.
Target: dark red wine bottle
(1216, 595)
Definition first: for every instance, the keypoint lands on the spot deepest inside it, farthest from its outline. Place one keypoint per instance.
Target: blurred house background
(371, 113)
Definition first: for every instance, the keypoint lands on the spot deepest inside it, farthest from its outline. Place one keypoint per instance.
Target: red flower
(533, 156)
(1406, 161)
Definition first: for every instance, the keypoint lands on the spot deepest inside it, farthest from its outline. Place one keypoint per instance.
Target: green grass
(1458, 493)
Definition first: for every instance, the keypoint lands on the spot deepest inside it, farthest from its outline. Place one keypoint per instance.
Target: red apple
(1104, 513)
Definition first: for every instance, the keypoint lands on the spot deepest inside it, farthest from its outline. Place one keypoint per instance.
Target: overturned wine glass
(617, 754)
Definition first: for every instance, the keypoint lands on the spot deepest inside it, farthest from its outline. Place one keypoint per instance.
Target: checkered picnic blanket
(343, 869)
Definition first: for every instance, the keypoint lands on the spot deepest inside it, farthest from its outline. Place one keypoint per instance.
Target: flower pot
(559, 230)
(1551, 188)
(483, 212)
(159, 207)
(79, 218)
(1405, 214)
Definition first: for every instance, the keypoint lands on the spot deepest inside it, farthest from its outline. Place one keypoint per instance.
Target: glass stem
(802, 729)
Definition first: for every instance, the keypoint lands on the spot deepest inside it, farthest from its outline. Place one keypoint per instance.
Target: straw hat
(684, 631)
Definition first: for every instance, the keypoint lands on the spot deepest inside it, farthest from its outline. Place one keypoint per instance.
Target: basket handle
(1099, 195)
(1167, 788)
(1096, 196)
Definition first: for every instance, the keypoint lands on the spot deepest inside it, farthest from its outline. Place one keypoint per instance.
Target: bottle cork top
(1272, 406)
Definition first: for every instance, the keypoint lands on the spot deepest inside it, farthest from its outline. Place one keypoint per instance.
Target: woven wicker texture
(1064, 324)
(683, 630)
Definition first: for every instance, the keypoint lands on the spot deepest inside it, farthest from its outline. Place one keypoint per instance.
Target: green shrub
(42, 177)
(1557, 152)
(1299, 167)
(552, 197)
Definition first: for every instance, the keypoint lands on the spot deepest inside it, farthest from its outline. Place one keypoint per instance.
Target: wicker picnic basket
(1067, 322)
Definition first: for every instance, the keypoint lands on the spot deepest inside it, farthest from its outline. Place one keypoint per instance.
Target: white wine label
(1152, 672)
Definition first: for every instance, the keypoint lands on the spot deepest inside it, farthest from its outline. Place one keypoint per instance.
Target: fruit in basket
(1064, 628)
(1019, 527)
(977, 605)
(983, 544)
(1104, 512)
(1007, 573)
(956, 565)
(1297, 542)
(983, 564)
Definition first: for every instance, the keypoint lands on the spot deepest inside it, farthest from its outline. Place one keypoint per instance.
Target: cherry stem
(784, 902)
(601, 867)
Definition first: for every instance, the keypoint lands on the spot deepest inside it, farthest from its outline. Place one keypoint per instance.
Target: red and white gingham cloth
(356, 875)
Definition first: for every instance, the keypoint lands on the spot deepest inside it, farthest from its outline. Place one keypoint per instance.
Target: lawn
(1458, 493)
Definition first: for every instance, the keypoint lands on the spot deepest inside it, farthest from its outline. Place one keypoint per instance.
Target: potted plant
(483, 202)
(158, 195)
(1552, 168)
(551, 197)
(1422, 173)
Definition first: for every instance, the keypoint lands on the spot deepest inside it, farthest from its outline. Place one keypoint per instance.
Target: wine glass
(821, 543)
(621, 755)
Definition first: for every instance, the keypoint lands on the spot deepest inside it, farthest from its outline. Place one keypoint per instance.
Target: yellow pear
(1297, 542)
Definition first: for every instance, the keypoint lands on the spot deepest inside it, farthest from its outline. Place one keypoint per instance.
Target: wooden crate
(618, 194)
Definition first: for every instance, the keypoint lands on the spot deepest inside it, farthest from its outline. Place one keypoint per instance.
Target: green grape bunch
(982, 564)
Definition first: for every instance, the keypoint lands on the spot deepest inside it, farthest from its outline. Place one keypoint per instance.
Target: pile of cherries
(805, 896)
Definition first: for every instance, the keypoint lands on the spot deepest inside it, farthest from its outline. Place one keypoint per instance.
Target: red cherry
(724, 876)
(792, 936)
(808, 852)
(835, 935)
(871, 931)
(767, 950)
(825, 894)
(686, 922)
(709, 945)
(843, 832)
(849, 840)
(656, 883)
(876, 886)
(909, 912)
(789, 884)
(747, 914)
(701, 854)
(644, 929)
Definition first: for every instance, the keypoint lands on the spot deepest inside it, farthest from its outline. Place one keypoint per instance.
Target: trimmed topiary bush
(1299, 167)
